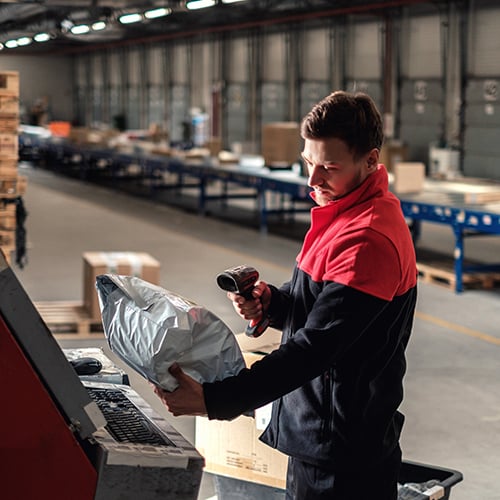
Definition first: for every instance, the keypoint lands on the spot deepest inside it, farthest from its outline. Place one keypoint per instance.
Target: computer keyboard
(125, 422)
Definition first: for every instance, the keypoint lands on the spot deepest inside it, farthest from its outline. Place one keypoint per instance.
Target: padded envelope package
(150, 328)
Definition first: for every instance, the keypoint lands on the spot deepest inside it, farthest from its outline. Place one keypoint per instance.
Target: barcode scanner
(241, 280)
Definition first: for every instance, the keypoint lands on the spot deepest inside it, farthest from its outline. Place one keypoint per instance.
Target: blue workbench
(433, 204)
(465, 220)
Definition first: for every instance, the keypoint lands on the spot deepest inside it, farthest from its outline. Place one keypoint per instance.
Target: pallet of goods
(12, 185)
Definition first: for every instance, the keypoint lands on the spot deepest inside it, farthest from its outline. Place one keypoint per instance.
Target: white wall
(41, 76)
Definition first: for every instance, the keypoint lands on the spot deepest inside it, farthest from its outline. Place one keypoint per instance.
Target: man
(346, 316)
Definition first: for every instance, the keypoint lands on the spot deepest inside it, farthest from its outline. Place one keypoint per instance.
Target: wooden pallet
(68, 318)
(439, 269)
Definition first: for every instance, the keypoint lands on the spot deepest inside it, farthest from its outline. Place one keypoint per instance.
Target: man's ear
(372, 158)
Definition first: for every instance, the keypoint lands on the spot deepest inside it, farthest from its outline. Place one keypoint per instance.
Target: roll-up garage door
(364, 59)
(155, 87)
(482, 115)
(97, 75)
(237, 91)
(316, 68)
(179, 117)
(273, 90)
(422, 104)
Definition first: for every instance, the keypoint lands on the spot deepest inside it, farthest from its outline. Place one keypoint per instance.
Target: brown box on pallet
(9, 146)
(7, 216)
(9, 124)
(7, 238)
(9, 104)
(138, 264)
(8, 169)
(281, 143)
(8, 187)
(11, 187)
(22, 183)
(9, 82)
(232, 448)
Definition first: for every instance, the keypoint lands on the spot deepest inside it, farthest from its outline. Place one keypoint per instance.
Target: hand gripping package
(150, 328)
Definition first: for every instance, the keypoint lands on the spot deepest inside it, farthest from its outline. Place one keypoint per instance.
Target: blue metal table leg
(262, 211)
(458, 255)
(203, 196)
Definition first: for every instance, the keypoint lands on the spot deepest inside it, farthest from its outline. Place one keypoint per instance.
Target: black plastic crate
(228, 488)
(414, 472)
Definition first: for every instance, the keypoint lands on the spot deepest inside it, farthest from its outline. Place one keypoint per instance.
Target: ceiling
(55, 17)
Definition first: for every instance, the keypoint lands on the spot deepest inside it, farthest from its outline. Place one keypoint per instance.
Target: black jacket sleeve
(340, 315)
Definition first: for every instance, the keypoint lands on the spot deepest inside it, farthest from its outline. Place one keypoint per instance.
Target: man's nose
(315, 175)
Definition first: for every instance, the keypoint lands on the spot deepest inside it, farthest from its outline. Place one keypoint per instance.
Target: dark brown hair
(352, 118)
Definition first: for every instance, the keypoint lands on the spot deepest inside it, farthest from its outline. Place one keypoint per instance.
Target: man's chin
(323, 200)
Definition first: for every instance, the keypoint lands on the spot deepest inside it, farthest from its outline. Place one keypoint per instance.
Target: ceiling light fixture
(66, 25)
(11, 44)
(155, 13)
(199, 4)
(130, 18)
(80, 29)
(23, 41)
(99, 26)
(232, 1)
(41, 37)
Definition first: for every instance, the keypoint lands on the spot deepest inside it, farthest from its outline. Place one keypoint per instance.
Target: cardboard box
(22, 184)
(392, 153)
(8, 187)
(408, 177)
(137, 264)
(9, 103)
(9, 124)
(8, 169)
(281, 143)
(9, 82)
(9, 146)
(8, 238)
(232, 448)
(7, 216)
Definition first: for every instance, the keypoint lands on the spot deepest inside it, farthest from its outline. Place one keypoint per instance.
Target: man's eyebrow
(326, 162)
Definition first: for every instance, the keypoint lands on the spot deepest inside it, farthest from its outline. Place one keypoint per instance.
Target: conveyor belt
(469, 206)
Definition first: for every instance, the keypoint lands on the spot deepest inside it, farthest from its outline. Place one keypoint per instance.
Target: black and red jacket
(346, 316)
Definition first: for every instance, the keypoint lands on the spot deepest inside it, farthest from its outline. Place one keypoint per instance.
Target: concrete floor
(452, 402)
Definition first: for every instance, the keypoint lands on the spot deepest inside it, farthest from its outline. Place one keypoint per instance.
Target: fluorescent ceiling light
(155, 13)
(11, 44)
(66, 24)
(199, 4)
(80, 29)
(99, 25)
(41, 37)
(130, 18)
(24, 40)
(1, 45)
(232, 1)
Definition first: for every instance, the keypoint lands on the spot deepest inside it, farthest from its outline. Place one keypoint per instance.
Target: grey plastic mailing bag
(150, 328)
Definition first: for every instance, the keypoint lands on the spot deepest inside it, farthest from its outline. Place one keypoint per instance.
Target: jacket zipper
(328, 399)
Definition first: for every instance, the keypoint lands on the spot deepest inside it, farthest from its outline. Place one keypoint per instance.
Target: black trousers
(309, 482)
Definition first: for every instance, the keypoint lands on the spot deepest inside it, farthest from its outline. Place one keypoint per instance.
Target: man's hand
(252, 309)
(187, 399)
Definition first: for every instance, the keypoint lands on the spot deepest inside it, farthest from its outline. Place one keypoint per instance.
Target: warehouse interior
(170, 128)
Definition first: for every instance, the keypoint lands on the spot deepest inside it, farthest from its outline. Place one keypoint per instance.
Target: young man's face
(333, 170)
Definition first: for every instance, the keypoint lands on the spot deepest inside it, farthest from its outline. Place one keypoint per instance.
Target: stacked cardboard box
(12, 184)
(232, 448)
(139, 264)
(281, 143)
